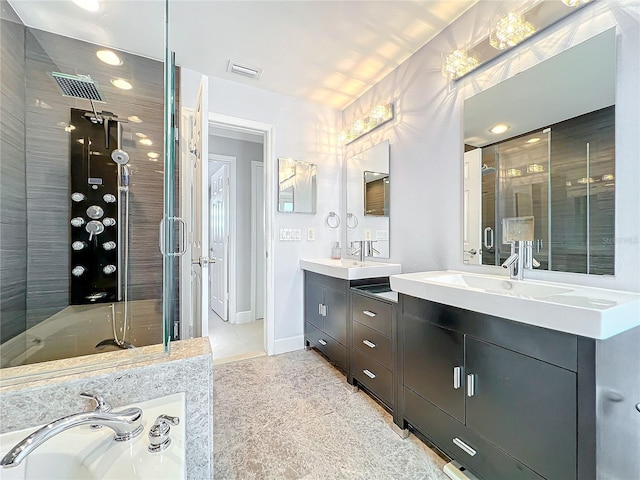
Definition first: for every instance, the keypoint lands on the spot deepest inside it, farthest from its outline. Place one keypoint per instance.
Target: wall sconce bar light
(379, 115)
(505, 32)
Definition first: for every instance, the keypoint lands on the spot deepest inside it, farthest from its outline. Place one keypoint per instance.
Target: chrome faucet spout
(126, 424)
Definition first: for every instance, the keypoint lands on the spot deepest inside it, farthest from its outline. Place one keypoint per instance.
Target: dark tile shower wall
(13, 199)
(48, 166)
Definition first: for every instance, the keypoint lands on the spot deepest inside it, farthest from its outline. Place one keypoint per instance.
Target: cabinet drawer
(487, 460)
(374, 376)
(334, 350)
(372, 343)
(373, 313)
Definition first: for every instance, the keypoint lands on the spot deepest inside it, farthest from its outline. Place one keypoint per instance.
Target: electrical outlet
(311, 234)
(367, 234)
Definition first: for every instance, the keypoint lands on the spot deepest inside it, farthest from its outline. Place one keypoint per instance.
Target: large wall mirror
(542, 144)
(296, 186)
(368, 184)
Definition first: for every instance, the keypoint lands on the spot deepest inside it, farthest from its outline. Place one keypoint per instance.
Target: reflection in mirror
(555, 161)
(368, 185)
(296, 186)
(80, 270)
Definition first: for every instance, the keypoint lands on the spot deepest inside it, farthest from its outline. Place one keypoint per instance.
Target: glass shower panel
(82, 189)
(523, 189)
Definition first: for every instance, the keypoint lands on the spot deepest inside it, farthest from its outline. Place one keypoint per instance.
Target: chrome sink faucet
(521, 257)
(127, 424)
(363, 249)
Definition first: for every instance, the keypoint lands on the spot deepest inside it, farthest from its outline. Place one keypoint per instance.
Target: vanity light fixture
(535, 168)
(575, 3)
(509, 31)
(109, 57)
(514, 172)
(121, 83)
(377, 116)
(457, 64)
(499, 128)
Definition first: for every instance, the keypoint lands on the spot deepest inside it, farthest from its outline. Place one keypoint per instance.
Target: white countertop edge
(322, 266)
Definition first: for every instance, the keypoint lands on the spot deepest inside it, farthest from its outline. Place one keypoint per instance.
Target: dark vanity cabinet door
(431, 356)
(335, 319)
(312, 301)
(524, 406)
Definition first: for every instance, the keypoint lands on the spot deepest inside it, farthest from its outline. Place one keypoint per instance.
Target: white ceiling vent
(244, 70)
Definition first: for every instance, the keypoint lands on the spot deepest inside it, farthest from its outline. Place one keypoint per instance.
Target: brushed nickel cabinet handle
(369, 313)
(464, 446)
(457, 377)
(368, 373)
(369, 344)
(322, 342)
(471, 385)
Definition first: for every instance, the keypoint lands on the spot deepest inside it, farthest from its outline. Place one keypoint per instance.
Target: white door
(198, 151)
(258, 253)
(219, 241)
(472, 207)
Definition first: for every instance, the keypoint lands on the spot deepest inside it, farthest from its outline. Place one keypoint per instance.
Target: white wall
(245, 152)
(304, 131)
(427, 137)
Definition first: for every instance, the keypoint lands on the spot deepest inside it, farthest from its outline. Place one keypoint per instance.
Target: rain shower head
(78, 86)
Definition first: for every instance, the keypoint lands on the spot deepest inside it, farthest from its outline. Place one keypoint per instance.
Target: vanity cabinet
(373, 327)
(498, 396)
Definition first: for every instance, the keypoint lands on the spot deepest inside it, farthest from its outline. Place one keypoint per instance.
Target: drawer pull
(322, 342)
(369, 313)
(369, 344)
(320, 309)
(471, 385)
(457, 377)
(368, 373)
(464, 446)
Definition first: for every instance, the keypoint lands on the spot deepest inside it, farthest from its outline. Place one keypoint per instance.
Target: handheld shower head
(120, 156)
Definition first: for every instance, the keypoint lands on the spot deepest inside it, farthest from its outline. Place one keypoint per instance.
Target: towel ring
(332, 221)
(354, 221)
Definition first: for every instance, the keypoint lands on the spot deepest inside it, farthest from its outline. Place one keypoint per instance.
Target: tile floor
(231, 342)
(293, 416)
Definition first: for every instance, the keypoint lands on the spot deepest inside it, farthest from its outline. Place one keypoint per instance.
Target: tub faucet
(127, 424)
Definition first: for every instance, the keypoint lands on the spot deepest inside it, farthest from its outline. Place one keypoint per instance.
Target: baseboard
(244, 317)
(289, 344)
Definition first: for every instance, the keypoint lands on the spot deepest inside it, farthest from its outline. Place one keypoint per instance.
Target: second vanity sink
(348, 269)
(590, 312)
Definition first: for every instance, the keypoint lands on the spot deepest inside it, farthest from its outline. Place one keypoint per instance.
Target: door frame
(231, 260)
(254, 247)
(270, 172)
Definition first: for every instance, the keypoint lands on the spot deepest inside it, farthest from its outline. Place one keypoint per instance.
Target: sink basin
(348, 269)
(503, 286)
(83, 453)
(590, 312)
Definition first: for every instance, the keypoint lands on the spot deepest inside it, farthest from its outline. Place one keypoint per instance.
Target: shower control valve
(109, 245)
(78, 245)
(109, 269)
(108, 222)
(109, 198)
(77, 197)
(95, 212)
(77, 221)
(78, 270)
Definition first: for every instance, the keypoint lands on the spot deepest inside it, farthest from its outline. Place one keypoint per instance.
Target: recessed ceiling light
(134, 119)
(69, 128)
(89, 5)
(121, 83)
(109, 57)
(500, 128)
(141, 135)
(153, 155)
(146, 141)
(533, 140)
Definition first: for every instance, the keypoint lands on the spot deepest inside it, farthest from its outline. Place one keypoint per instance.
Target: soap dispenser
(335, 251)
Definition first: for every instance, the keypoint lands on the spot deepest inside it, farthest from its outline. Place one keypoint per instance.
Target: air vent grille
(244, 70)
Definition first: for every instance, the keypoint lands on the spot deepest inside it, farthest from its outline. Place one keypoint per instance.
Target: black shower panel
(94, 211)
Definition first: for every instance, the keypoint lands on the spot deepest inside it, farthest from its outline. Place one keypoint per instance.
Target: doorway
(236, 241)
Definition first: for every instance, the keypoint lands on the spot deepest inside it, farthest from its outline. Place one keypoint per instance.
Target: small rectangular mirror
(296, 186)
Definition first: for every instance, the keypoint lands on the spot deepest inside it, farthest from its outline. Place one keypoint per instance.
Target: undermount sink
(349, 269)
(590, 312)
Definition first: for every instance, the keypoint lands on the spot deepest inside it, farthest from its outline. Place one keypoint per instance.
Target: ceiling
(329, 52)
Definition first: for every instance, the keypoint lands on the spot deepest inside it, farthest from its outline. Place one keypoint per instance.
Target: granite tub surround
(293, 416)
(188, 368)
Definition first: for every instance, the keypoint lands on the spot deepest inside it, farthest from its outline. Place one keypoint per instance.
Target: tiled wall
(13, 199)
(48, 167)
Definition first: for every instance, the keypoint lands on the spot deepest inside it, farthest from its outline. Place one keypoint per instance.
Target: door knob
(471, 252)
(203, 261)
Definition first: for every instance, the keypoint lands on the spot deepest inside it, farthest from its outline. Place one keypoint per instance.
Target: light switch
(311, 234)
